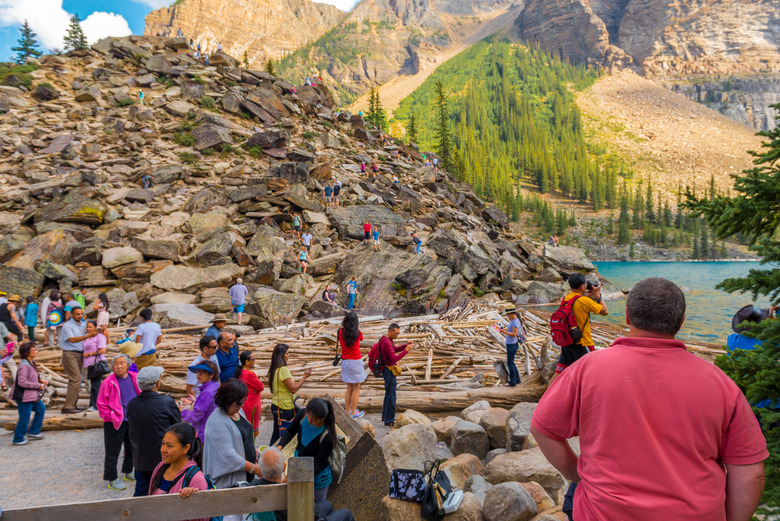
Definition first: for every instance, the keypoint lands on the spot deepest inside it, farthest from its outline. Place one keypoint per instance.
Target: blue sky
(49, 19)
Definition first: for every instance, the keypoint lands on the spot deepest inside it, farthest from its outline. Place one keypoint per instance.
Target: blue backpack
(188, 479)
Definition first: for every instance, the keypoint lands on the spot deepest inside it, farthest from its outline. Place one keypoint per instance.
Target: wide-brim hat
(749, 313)
(200, 367)
(510, 310)
(14, 298)
(219, 317)
(130, 348)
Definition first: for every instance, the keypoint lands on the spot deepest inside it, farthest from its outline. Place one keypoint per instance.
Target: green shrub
(226, 148)
(309, 135)
(229, 82)
(184, 138)
(208, 151)
(46, 84)
(197, 79)
(188, 158)
(190, 116)
(207, 102)
(126, 102)
(20, 71)
(186, 126)
(246, 115)
(255, 152)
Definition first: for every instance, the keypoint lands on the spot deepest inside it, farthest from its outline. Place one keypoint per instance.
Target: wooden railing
(296, 496)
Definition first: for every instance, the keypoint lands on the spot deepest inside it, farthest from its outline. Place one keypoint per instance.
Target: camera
(591, 285)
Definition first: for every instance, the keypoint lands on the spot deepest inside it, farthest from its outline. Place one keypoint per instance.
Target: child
(375, 237)
(303, 257)
(31, 317)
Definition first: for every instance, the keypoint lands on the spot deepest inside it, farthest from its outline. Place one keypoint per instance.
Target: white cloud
(50, 21)
(100, 25)
(344, 5)
(155, 4)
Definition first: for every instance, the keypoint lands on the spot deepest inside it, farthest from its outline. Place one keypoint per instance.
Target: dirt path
(394, 91)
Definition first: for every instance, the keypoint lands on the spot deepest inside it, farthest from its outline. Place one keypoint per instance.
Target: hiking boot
(128, 477)
(117, 485)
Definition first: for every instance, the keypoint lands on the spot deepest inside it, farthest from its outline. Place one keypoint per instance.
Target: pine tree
(443, 136)
(624, 234)
(704, 250)
(411, 129)
(75, 40)
(269, 68)
(696, 251)
(649, 210)
(754, 212)
(27, 45)
(246, 60)
(638, 219)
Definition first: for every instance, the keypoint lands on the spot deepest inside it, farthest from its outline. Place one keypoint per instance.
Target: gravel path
(67, 467)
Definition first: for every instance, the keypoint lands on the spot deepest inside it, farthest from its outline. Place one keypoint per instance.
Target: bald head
(272, 464)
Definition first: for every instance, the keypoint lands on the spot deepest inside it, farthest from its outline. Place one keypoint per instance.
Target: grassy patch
(184, 138)
(20, 71)
(187, 158)
(126, 102)
(207, 102)
(208, 151)
(197, 79)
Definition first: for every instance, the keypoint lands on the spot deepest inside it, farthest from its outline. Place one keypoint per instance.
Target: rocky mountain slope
(381, 40)
(262, 28)
(233, 154)
(724, 52)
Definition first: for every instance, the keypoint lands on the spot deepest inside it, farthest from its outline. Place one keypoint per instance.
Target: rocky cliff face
(263, 28)
(720, 43)
(233, 154)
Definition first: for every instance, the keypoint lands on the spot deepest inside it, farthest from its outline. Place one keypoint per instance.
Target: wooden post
(300, 489)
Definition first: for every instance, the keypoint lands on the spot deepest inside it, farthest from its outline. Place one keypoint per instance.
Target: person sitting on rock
(328, 295)
(147, 181)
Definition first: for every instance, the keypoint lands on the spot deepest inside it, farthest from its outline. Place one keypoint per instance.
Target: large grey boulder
(275, 308)
(180, 315)
(409, 447)
(219, 246)
(269, 139)
(477, 485)
(518, 425)
(159, 248)
(567, 259)
(122, 303)
(114, 257)
(508, 502)
(349, 220)
(525, 466)
(20, 281)
(494, 423)
(211, 136)
(215, 300)
(185, 278)
(55, 245)
(74, 208)
(469, 438)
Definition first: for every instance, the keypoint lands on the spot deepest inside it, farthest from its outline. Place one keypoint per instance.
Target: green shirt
(283, 398)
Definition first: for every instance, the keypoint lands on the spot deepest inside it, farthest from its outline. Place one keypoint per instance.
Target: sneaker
(359, 414)
(91, 409)
(23, 442)
(35, 436)
(117, 485)
(128, 477)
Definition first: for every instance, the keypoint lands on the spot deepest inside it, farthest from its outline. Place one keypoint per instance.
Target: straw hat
(130, 348)
(219, 317)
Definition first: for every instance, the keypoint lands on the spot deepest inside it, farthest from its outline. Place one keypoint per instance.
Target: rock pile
(233, 153)
(488, 453)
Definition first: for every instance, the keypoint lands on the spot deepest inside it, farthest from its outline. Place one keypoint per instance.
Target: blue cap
(200, 367)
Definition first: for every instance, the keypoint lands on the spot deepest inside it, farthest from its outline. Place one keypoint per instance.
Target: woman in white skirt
(353, 372)
(103, 315)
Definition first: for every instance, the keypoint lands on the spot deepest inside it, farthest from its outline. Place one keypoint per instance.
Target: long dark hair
(230, 392)
(349, 329)
(323, 410)
(54, 294)
(242, 359)
(104, 299)
(277, 361)
(185, 433)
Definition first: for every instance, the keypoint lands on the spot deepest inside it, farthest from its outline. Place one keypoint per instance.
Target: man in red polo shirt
(663, 433)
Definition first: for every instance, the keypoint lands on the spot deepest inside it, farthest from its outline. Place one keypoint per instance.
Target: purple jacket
(27, 377)
(202, 408)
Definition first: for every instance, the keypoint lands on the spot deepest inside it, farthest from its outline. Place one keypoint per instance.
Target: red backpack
(563, 324)
(375, 362)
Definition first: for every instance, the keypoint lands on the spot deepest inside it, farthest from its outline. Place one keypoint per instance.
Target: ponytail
(242, 359)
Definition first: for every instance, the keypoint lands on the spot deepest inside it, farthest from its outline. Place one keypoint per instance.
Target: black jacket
(148, 416)
(320, 451)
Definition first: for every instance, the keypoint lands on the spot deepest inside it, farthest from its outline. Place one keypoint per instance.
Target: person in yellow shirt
(283, 387)
(588, 295)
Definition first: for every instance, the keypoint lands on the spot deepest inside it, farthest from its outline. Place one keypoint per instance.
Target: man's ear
(628, 322)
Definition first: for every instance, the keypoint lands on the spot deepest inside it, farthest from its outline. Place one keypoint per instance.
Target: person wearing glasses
(208, 352)
(246, 374)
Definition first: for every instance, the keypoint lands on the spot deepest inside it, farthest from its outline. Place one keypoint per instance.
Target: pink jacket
(198, 482)
(109, 401)
(27, 378)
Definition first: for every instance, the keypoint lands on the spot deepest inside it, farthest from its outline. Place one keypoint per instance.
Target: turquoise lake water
(709, 310)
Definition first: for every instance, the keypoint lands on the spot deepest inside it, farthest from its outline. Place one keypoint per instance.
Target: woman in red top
(353, 372)
(245, 374)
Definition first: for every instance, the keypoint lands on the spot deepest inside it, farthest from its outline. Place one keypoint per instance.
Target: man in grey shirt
(72, 337)
(238, 293)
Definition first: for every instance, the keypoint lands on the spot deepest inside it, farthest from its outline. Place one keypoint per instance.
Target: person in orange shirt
(588, 295)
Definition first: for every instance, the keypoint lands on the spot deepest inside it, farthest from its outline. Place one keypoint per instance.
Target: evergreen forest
(503, 116)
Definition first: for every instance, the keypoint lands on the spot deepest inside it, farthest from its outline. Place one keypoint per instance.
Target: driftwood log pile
(457, 359)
